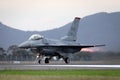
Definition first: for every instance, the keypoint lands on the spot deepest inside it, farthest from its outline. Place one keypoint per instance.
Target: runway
(55, 67)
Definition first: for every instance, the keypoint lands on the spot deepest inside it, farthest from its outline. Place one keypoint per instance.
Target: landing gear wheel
(67, 60)
(46, 60)
(39, 61)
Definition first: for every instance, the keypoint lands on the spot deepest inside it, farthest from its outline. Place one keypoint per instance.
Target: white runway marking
(88, 66)
(58, 67)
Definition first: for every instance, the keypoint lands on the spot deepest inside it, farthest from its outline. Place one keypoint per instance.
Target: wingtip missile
(99, 45)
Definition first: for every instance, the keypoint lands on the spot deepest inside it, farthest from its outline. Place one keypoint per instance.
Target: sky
(39, 15)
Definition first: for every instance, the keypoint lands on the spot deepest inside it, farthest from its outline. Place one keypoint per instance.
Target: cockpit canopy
(36, 37)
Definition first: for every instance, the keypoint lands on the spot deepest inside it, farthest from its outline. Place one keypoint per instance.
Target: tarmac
(16, 65)
(55, 67)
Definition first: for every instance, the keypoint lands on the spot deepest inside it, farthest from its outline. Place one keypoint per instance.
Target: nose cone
(25, 45)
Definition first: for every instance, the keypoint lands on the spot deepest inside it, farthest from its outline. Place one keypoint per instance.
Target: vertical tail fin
(72, 33)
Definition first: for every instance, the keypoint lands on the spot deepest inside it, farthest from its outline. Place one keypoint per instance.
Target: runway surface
(55, 67)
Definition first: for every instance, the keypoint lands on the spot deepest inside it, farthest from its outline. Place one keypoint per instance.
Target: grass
(60, 74)
(22, 77)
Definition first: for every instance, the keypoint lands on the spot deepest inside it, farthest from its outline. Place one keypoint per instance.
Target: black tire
(67, 60)
(46, 60)
(39, 61)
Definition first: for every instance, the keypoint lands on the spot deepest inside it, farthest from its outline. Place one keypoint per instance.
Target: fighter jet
(60, 48)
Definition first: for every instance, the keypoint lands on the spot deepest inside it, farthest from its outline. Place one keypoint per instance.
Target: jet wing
(69, 46)
(27, 45)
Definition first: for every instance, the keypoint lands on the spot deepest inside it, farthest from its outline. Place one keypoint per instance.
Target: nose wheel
(39, 61)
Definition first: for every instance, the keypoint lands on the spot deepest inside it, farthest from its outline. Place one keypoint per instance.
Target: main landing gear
(67, 60)
(47, 60)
